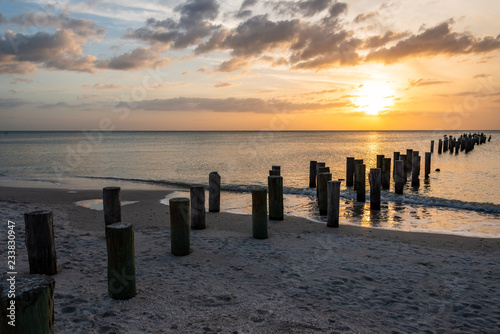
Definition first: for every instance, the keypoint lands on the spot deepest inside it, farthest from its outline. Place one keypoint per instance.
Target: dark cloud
(438, 40)
(425, 82)
(54, 105)
(252, 105)
(304, 8)
(248, 3)
(374, 42)
(3, 19)
(11, 103)
(363, 17)
(136, 59)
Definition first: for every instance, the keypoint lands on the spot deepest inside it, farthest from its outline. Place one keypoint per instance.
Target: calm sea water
(463, 198)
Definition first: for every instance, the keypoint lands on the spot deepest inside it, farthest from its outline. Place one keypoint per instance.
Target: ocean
(462, 198)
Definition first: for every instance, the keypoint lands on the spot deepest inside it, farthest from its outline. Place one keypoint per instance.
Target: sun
(374, 97)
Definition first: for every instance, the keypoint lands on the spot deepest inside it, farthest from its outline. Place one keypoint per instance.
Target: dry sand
(306, 278)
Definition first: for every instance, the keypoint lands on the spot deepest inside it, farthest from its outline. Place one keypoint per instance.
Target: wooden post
(402, 157)
(111, 205)
(323, 193)
(275, 185)
(259, 213)
(274, 172)
(31, 309)
(457, 147)
(356, 162)
(380, 158)
(427, 164)
(400, 177)
(396, 157)
(40, 244)
(312, 174)
(321, 170)
(409, 159)
(445, 145)
(214, 192)
(197, 207)
(386, 173)
(180, 233)
(333, 198)
(121, 261)
(452, 145)
(277, 168)
(375, 179)
(432, 146)
(440, 146)
(360, 171)
(349, 177)
(415, 174)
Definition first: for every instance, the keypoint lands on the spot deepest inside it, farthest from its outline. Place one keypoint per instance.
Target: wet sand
(304, 278)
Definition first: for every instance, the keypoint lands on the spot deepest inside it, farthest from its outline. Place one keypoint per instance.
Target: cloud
(438, 40)
(425, 82)
(3, 19)
(305, 8)
(226, 85)
(248, 105)
(11, 103)
(374, 42)
(136, 59)
(363, 17)
(54, 105)
(482, 75)
(101, 86)
(82, 27)
(24, 80)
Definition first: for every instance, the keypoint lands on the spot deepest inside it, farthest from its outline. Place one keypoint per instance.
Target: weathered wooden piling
(333, 198)
(31, 309)
(274, 172)
(277, 168)
(121, 261)
(349, 177)
(403, 158)
(457, 147)
(409, 159)
(360, 172)
(356, 162)
(452, 145)
(427, 164)
(275, 185)
(386, 173)
(214, 192)
(399, 177)
(432, 146)
(312, 174)
(111, 205)
(440, 146)
(445, 144)
(396, 158)
(259, 213)
(380, 158)
(40, 243)
(180, 231)
(321, 170)
(375, 179)
(415, 174)
(197, 207)
(323, 192)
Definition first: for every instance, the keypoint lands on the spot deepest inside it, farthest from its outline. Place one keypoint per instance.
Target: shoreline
(306, 278)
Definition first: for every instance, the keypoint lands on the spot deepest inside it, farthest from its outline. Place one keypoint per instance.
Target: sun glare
(374, 97)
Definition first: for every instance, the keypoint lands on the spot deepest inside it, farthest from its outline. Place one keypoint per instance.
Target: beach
(305, 278)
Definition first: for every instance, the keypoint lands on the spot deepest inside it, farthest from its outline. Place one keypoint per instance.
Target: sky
(249, 65)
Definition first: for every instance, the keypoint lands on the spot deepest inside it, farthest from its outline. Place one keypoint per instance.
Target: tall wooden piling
(452, 145)
(445, 145)
(40, 244)
(333, 198)
(356, 162)
(259, 213)
(360, 171)
(380, 158)
(402, 157)
(214, 192)
(409, 159)
(440, 146)
(396, 158)
(111, 205)
(399, 177)
(197, 207)
(33, 308)
(432, 146)
(275, 185)
(121, 261)
(277, 168)
(386, 173)
(349, 177)
(457, 147)
(312, 174)
(180, 231)
(427, 164)
(321, 170)
(415, 174)
(323, 192)
(375, 179)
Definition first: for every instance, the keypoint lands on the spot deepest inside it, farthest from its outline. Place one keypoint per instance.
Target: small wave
(346, 193)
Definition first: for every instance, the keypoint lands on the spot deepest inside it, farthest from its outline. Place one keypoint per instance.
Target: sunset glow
(214, 65)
